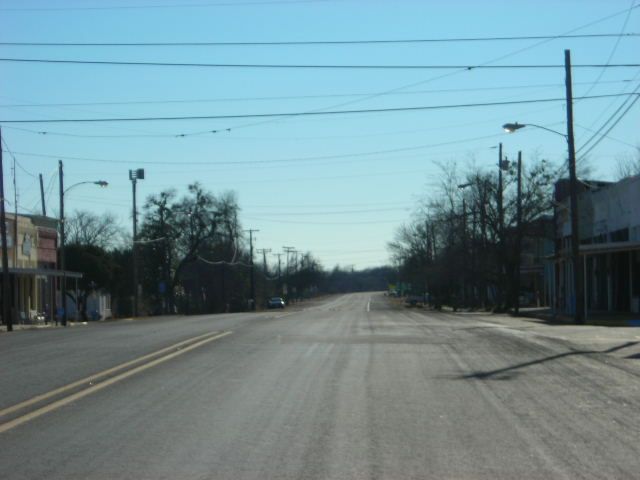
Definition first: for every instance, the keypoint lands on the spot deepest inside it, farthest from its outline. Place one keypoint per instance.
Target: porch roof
(43, 272)
(609, 247)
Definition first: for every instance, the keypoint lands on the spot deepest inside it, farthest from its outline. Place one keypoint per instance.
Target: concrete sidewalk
(623, 342)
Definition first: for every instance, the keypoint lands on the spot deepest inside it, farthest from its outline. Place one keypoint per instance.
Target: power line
(317, 42)
(332, 205)
(595, 144)
(307, 113)
(297, 137)
(448, 74)
(270, 220)
(341, 156)
(306, 66)
(175, 5)
(298, 97)
(604, 125)
(613, 50)
(334, 212)
(8, 150)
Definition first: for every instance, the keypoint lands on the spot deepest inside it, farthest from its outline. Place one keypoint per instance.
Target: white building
(609, 223)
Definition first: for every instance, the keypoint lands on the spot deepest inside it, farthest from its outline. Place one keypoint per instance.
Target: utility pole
(63, 286)
(253, 275)
(483, 235)
(166, 265)
(264, 252)
(500, 224)
(503, 164)
(464, 251)
(134, 176)
(279, 255)
(288, 251)
(518, 238)
(573, 188)
(6, 307)
(44, 208)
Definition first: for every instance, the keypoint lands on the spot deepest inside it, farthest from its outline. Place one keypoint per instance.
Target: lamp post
(134, 176)
(573, 190)
(63, 192)
(573, 199)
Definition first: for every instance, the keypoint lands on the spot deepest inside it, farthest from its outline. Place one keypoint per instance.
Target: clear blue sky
(328, 199)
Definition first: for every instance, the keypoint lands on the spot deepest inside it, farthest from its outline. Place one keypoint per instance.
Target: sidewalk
(39, 326)
(603, 333)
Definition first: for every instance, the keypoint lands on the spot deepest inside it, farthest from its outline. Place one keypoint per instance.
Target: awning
(45, 272)
(597, 248)
(609, 247)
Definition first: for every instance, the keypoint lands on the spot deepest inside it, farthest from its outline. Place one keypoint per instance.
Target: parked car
(415, 300)
(275, 302)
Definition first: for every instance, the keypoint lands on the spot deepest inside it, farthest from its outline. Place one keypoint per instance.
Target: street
(350, 386)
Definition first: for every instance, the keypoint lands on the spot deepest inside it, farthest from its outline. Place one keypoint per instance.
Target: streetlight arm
(100, 183)
(512, 127)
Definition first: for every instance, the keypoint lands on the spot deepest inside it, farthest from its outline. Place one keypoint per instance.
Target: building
(609, 223)
(536, 272)
(32, 244)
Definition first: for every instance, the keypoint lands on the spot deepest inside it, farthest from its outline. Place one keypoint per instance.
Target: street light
(573, 193)
(63, 191)
(512, 127)
(134, 176)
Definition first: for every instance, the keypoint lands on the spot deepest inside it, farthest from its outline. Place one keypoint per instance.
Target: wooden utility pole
(63, 285)
(44, 208)
(573, 193)
(501, 242)
(264, 252)
(6, 306)
(279, 255)
(516, 283)
(253, 274)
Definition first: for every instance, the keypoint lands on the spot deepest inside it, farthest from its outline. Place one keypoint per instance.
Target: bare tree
(88, 229)
(628, 165)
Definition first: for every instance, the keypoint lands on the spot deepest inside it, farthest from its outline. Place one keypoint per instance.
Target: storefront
(33, 275)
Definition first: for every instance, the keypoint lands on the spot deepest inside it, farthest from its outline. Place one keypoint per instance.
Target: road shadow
(510, 372)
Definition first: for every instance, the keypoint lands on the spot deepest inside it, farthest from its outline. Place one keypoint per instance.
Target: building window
(621, 235)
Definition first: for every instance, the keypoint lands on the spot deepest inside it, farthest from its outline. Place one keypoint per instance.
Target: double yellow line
(159, 356)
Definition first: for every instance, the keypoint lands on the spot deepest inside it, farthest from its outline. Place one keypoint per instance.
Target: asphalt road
(350, 387)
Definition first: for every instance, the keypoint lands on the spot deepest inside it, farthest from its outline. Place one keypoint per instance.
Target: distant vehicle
(275, 302)
(415, 300)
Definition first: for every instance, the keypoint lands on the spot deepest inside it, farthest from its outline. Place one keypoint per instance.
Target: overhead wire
(308, 66)
(406, 86)
(270, 161)
(319, 42)
(613, 50)
(15, 160)
(297, 97)
(447, 74)
(629, 101)
(304, 113)
(270, 220)
(613, 125)
(175, 5)
(421, 82)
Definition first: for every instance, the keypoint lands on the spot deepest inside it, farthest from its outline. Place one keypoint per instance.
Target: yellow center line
(99, 375)
(88, 391)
